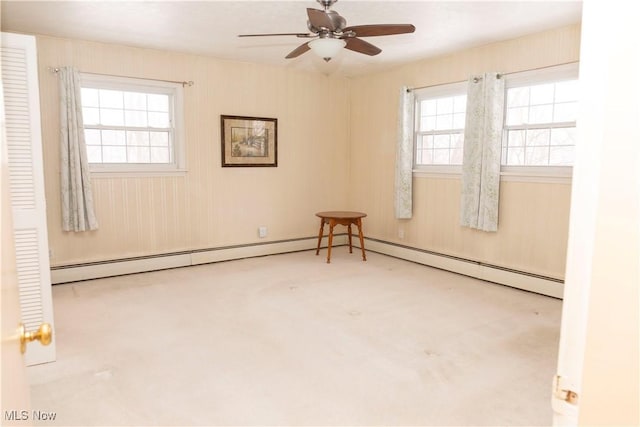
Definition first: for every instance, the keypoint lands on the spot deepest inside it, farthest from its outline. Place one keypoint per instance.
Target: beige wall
(533, 223)
(209, 206)
(326, 138)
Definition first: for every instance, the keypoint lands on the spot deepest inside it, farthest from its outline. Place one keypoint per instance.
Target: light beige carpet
(291, 340)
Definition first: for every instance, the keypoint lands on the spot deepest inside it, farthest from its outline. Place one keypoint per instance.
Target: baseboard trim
(119, 267)
(516, 279)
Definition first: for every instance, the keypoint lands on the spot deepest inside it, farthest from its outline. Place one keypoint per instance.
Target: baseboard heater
(540, 284)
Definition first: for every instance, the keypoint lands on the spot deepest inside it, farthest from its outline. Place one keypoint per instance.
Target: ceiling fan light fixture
(327, 47)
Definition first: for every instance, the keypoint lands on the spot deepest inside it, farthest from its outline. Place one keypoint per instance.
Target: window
(440, 117)
(539, 136)
(540, 124)
(131, 124)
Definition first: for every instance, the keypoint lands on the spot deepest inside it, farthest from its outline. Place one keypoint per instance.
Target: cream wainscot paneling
(206, 207)
(533, 224)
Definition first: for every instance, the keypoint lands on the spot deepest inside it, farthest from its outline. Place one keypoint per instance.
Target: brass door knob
(43, 334)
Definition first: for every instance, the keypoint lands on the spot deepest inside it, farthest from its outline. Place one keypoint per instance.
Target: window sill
(551, 175)
(104, 173)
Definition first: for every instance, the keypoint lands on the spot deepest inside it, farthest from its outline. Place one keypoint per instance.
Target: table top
(341, 214)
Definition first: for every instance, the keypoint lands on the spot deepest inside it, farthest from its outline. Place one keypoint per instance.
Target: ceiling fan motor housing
(327, 3)
(330, 33)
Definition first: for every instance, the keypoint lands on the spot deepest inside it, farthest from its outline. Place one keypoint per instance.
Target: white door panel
(26, 186)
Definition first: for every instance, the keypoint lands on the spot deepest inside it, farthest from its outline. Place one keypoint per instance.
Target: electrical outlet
(262, 232)
(400, 233)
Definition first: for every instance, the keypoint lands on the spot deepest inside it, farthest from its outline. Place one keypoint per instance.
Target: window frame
(432, 92)
(545, 75)
(551, 74)
(176, 118)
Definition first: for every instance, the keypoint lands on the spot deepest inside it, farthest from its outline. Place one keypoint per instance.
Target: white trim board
(519, 280)
(514, 279)
(88, 271)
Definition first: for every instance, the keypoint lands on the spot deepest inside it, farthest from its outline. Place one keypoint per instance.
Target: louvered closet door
(26, 187)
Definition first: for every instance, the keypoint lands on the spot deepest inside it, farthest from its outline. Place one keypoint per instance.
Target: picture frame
(249, 141)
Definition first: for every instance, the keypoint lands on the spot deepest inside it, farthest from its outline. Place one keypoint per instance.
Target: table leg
(349, 232)
(332, 223)
(320, 235)
(359, 224)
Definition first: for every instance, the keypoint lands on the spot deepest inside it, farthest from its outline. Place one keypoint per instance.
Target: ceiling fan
(330, 33)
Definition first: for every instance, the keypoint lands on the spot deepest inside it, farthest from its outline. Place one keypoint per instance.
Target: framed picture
(249, 141)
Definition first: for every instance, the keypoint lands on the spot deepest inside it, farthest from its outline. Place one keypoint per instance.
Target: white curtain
(404, 156)
(75, 182)
(482, 148)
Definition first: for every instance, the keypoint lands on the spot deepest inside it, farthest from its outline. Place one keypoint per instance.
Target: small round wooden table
(347, 218)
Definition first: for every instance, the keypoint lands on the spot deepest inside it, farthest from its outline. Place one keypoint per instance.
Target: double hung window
(539, 131)
(540, 124)
(132, 125)
(440, 118)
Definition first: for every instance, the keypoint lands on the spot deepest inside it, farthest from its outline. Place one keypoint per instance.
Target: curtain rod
(477, 79)
(189, 83)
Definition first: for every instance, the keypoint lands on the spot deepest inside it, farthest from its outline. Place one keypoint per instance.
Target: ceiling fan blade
(298, 51)
(362, 46)
(330, 20)
(380, 29)
(278, 34)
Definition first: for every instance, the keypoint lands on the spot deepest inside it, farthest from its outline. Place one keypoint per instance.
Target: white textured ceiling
(211, 27)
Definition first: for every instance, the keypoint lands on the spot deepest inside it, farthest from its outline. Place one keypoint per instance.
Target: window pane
(138, 154)
(114, 154)
(515, 156)
(159, 155)
(90, 116)
(517, 116)
(456, 156)
(428, 123)
(458, 121)
(110, 99)
(441, 157)
(565, 112)
(518, 97)
(159, 120)
(460, 104)
(441, 141)
(541, 114)
(135, 101)
(160, 139)
(561, 156)
(567, 91)
(135, 118)
(563, 136)
(94, 154)
(515, 138)
(110, 117)
(138, 138)
(537, 137)
(92, 137)
(444, 122)
(542, 94)
(425, 157)
(428, 141)
(457, 140)
(158, 102)
(89, 97)
(445, 105)
(428, 107)
(113, 137)
(537, 156)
